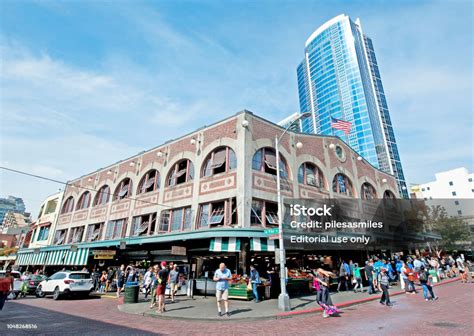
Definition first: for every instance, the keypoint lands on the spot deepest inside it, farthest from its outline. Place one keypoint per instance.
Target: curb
(354, 302)
(276, 316)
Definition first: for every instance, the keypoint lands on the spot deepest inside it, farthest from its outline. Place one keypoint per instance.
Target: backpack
(422, 276)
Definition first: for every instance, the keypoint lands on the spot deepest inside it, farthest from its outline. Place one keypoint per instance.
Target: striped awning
(225, 244)
(262, 244)
(38, 258)
(56, 257)
(23, 258)
(68, 257)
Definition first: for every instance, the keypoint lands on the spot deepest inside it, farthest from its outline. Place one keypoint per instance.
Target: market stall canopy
(262, 244)
(68, 257)
(225, 244)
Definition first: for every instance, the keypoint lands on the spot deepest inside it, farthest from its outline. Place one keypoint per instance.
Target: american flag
(342, 125)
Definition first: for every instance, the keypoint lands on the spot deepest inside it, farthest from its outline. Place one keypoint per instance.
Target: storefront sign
(274, 237)
(105, 252)
(178, 250)
(103, 256)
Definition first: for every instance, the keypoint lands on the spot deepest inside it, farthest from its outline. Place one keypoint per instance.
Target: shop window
(60, 237)
(218, 213)
(221, 160)
(84, 201)
(150, 182)
(75, 235)
(123, 190)
(342, 185)
(264, 213)
(94, 231)
(116, 229)
(389, 200)
(181, 172)
(388, 195)
(43, 233)
(368, 191)
(102, 196)
(311, 175)
(144, 225)
(265, 160)
(68, 205)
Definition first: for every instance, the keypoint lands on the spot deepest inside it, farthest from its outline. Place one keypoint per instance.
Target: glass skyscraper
(339, 78)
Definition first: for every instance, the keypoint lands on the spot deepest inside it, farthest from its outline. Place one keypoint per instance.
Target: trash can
(131, 292)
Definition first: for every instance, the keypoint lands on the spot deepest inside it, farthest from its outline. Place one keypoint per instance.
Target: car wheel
(56, 294)
(39, 292)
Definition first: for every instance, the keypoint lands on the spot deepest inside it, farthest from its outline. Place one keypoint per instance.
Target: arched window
(342, 185)
(388, 195)
(310, 174)
(84, 201)
(221, 160)
(123, 190)
(103, 195)
(265, 160)
(68, 205)
(181, 172)
(150, 182)
(368, 191)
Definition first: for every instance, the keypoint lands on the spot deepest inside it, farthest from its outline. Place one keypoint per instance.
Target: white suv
(66, 283)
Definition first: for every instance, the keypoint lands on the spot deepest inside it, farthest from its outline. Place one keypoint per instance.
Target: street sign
(274, 237)
(272, 231)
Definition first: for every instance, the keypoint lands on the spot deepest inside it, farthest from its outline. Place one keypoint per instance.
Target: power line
(66, 184)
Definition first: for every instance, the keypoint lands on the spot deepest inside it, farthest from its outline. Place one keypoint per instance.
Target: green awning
(262, 244)
(225, 244)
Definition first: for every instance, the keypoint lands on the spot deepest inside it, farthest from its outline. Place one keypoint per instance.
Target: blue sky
(87, 83)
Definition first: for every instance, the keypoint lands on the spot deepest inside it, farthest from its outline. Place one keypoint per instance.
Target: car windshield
(79, 276)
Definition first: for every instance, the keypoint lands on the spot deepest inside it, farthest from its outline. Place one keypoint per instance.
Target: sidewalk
(203, 309)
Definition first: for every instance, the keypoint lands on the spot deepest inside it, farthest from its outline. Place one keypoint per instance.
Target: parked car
(66, 283)
(17, 282)
(32, 281)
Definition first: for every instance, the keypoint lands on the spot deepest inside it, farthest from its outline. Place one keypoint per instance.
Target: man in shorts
(174, 281)
(222, 276)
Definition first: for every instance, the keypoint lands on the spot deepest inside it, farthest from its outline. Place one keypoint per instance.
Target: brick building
(202, 197)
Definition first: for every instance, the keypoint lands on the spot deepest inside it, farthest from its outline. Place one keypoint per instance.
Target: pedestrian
(120, 277)
(369, 275)
(103, 282)
(357, 280)
(174, 281)
(154, 285)
(146, 284)
(424, 277)
(110, 277)
(383, 281)
(344, 272)
(6, 286)
(96, 279)
(323, 298)
(222, 276)
(410, 280)
(161, 288)
(255, 281)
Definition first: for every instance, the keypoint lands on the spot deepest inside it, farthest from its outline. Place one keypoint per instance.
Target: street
(451, 314)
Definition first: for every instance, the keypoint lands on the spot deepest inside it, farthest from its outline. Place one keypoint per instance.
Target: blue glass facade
(339, 78)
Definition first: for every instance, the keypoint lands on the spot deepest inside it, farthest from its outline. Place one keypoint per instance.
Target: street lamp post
(283, 298)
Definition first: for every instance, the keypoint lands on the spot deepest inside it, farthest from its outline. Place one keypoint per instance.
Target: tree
(452, 229)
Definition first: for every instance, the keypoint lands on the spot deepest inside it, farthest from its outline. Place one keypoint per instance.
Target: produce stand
(240, 291)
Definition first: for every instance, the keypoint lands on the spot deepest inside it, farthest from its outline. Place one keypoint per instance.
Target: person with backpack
(383, 281)
(163, 275)
(120, 279)
(410, 277)
(424, 277)
(344, 274)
